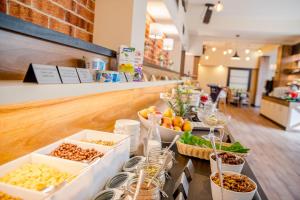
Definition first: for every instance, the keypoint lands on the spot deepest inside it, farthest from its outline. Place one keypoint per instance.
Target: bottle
(153, 140)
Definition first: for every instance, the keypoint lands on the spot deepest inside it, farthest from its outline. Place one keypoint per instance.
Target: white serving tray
(98, 135)
(92, 177)
(70, 167)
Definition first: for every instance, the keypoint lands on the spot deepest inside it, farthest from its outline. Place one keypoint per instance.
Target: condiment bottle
(153, 140)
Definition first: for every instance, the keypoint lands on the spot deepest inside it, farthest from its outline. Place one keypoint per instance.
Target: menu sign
(68, 74)
(42, 74)
(84, 75)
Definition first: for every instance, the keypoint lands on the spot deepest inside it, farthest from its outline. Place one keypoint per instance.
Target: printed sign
(42, 74)
(84, 75)
(68, 74)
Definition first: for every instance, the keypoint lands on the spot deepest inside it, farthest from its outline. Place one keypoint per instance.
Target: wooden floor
(275, 153)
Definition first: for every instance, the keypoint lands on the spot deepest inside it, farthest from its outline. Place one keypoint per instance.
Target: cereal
(228, 158)
(35, 176)
(73, 152)
(4, 196)
(102, 142)
(235, 182)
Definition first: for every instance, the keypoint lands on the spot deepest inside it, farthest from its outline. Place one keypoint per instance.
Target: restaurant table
(199, 188)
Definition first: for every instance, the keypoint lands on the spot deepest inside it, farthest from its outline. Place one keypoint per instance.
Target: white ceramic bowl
(225, 167)
(228, 194)
(166, 134)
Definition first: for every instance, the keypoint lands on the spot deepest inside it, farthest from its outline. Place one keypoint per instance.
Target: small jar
(145, 193)
(150, 170)
(119, 181)
(110, 194)
(133, 163)
(158, 156)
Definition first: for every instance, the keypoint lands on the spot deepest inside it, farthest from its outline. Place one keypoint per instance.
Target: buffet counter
(283, 112)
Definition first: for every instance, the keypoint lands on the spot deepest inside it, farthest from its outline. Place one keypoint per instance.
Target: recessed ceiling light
(206, 57)
(247, 58)
(247, 51)
(219, 6)
(259, 51)
(230, 51)
(225, 52)
(214, 49)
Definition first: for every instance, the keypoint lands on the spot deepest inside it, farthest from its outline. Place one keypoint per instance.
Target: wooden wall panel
(18, 51)
(27, 127)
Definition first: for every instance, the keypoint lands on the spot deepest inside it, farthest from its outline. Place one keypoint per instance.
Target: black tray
(200, 186)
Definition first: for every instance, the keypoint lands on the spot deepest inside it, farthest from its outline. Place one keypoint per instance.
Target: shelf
(13, 92)
(26, 28)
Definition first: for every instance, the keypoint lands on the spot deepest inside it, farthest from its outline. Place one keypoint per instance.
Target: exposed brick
(85, 13)
(60, 26)
(49, 8)
(75, 20)
(91, 5)
(83, 35)
(27, 14)
(67, 4)
(3, 6)
(90, 27)
(28, 2)
(82, 1)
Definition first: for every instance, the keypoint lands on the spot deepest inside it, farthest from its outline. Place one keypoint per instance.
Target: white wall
(120, 23)
(138, 24)
(212, 74)
(175, 55)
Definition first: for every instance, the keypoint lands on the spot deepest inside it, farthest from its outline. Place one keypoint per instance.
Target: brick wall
(153, 49)
(71, 17)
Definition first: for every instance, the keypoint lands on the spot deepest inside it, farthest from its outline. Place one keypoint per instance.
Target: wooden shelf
(14, 92)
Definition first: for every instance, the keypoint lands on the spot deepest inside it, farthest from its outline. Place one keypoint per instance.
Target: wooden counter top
(13, 92)
(277, 100)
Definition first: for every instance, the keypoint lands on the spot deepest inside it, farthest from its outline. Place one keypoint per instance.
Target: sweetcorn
(35, 176)
(4, 196)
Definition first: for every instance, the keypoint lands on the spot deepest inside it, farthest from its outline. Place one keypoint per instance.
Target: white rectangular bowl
(69, 167)
(91, 178)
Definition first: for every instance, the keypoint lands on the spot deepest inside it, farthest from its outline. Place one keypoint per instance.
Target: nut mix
(4, 196)
(35, 176)
(228, 158)
(235, 182)
(74, 152)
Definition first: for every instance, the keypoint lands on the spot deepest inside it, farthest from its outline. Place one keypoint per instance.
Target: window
(239, 78)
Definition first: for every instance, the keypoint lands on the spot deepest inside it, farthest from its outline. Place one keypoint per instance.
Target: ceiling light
(235, 56)
(247, 58)
(247, 51)
(206, 57)
(214, 49)
(168, 44)
(155, 31)
(221, 66)
(225, 52)
(219, 6)
(259, 51)
(230, 51)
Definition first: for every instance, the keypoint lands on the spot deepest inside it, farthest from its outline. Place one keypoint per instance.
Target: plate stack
(129, 127)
